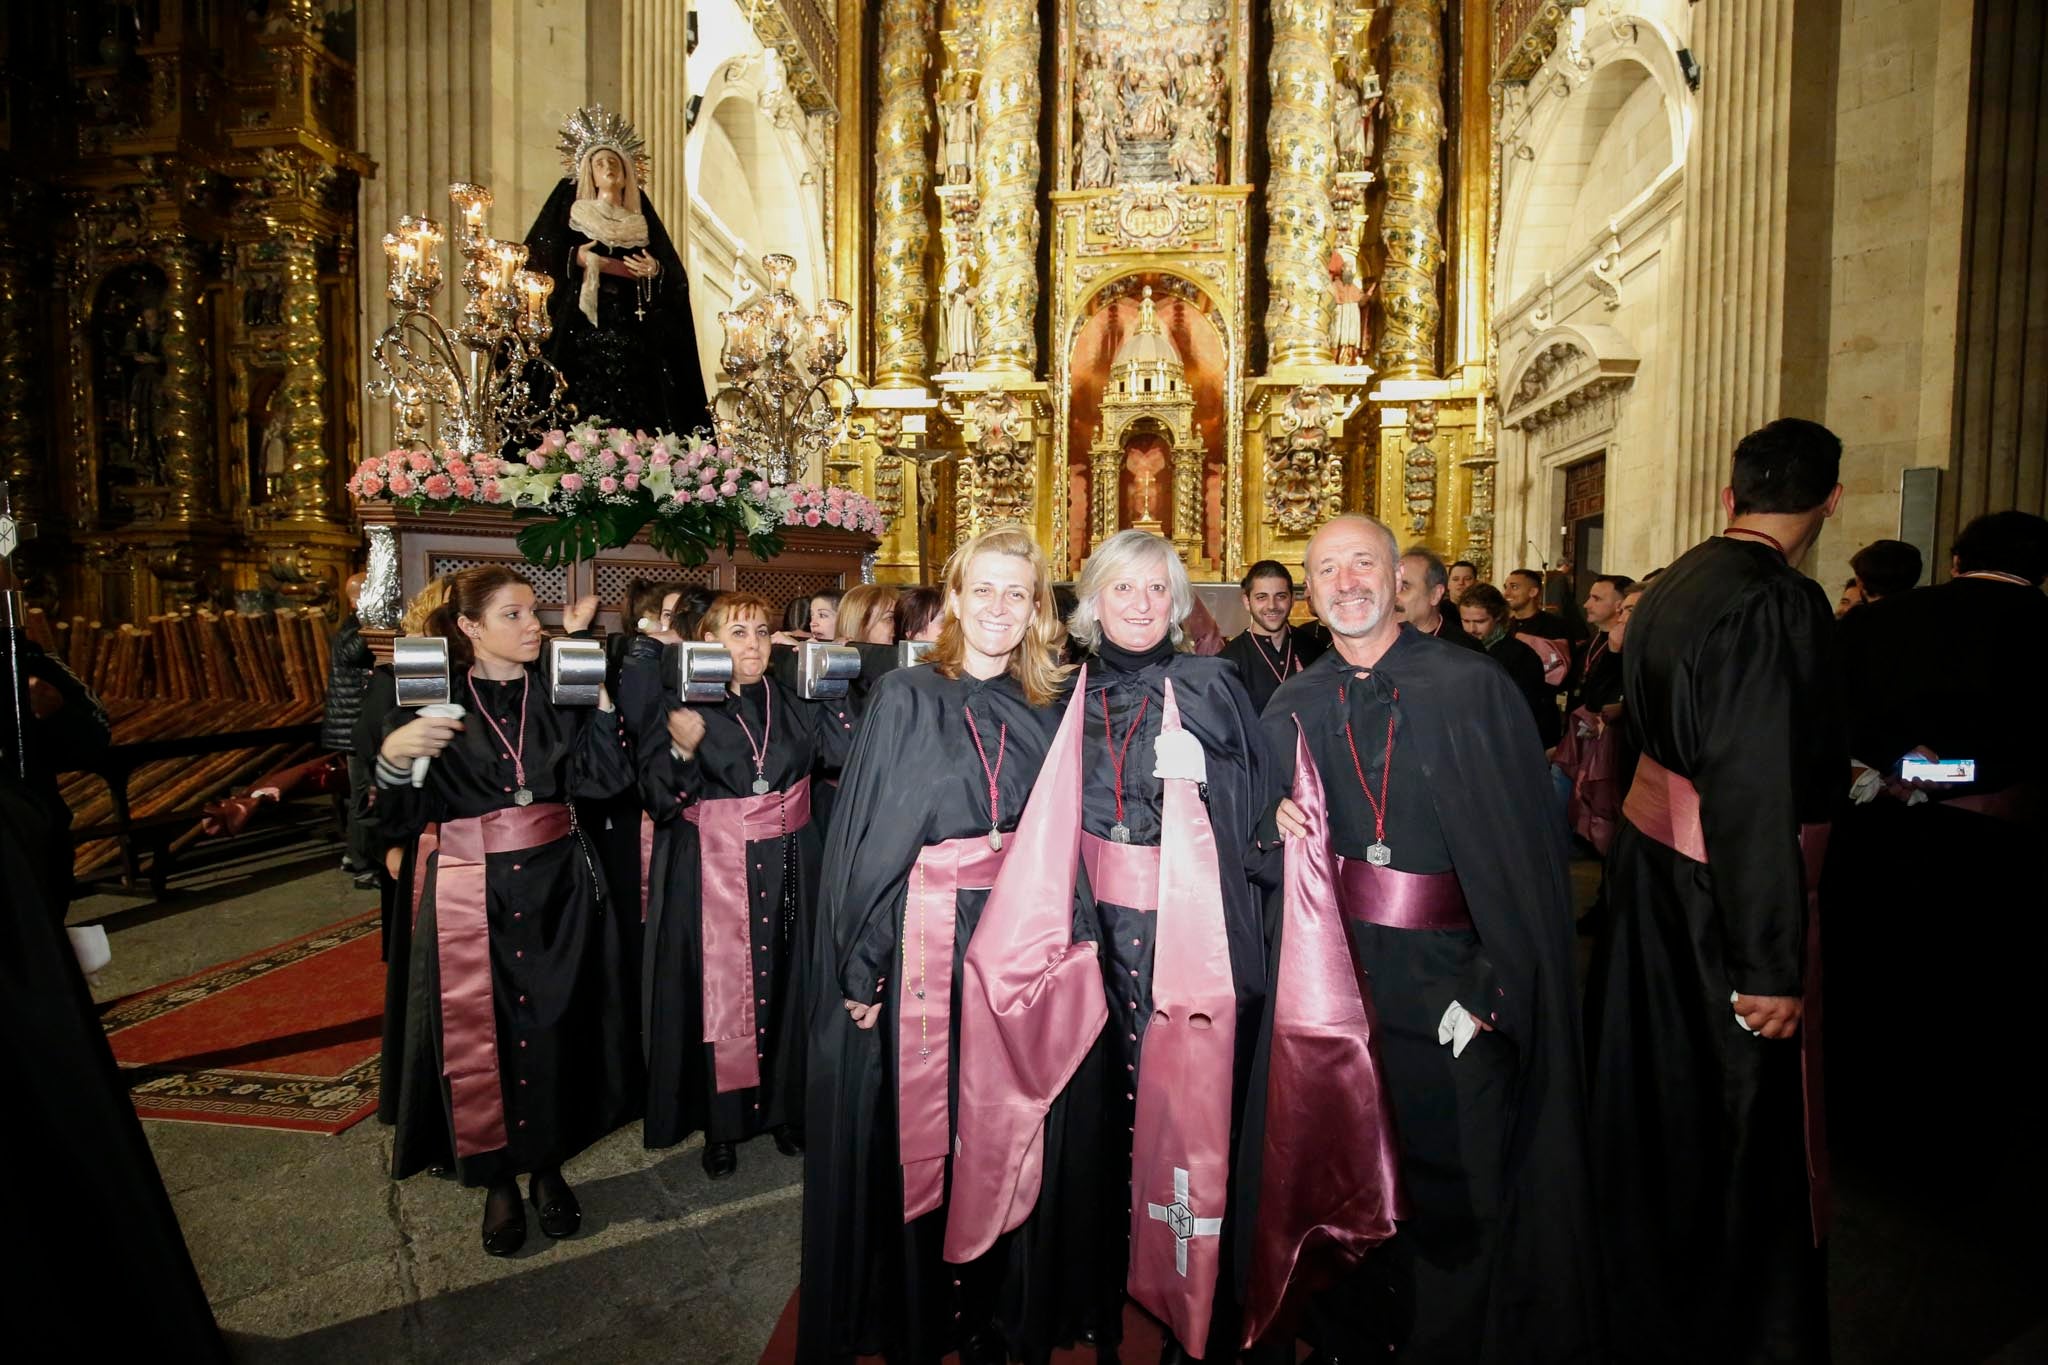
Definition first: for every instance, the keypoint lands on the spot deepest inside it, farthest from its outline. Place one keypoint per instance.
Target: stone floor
(310, 1252)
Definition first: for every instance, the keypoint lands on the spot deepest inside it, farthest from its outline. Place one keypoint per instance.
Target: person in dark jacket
(1483, 610)
(348, 678)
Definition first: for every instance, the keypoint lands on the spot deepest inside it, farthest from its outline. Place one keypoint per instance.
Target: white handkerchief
(89, 943)
(1457, 1028)
(1179, 754)
(1733, 996)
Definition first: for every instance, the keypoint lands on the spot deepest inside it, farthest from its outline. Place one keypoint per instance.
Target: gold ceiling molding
(806, 34)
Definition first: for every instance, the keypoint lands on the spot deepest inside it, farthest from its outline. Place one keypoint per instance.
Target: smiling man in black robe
(1709, 1159)
(1453, 884)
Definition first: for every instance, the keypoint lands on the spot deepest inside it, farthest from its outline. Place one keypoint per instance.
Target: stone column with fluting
(1301, 141)
(902, 179)
(1006, 170)
(303, 390)
(181, 415)
(1412, 170)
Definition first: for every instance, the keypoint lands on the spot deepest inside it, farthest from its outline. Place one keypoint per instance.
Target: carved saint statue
(1347, 325)
(956, 137)
(1193, 157)
(1097, 110)
(958, 343)
(275, 453)
(623, 335)
(143, 351)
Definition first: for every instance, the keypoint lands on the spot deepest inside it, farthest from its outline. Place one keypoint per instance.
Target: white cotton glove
(89, 944)
(1179, 754)
(446, 710)
(1865, 786)
(1457, 1028)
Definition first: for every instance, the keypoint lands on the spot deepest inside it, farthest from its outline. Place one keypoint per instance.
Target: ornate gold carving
(1304, 475)
(995, 482)
(1007, 163)
(1151, 98)
(1300, 138)
(181, 412)
(1409, 307)
(804, 33)
(902, 174)
(1479, 521)
(300, 399)
(1151, 218)
(1525, 32)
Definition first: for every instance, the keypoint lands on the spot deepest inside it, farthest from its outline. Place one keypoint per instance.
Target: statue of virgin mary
(623, 335)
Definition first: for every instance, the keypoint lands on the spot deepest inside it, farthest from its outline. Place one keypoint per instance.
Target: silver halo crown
(595, 129)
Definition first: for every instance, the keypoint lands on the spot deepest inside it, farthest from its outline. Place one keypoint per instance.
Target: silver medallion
(760, 786)
(522, 797)
(1119, 833)
(995, 839)
(1379, 855)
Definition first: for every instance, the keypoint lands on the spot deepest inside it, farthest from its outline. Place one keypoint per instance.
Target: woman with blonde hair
(940, 772)
(867, 615)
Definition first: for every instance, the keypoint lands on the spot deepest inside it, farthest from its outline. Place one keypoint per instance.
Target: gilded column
(181, 415)
(1006, 169)
(1302, 142)
(902, 177)
(303, 389)
(1411, 168)
(18, 463)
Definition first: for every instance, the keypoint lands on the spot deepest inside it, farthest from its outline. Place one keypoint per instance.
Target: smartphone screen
(1914, 768)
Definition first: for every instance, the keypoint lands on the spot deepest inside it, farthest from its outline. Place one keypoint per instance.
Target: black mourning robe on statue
(633, 372)
(872, 1283)
(1262, 668)
(1214, 708)
(1495, 1261)
(100, 1235)
(1698, 1127)
(805, 740)
(568, 1064)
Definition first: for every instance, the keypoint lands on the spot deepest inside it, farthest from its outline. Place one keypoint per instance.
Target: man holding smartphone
(1709, 1162)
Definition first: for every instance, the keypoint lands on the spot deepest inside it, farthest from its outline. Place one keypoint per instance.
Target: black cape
(871, 1283)
(83, 1177)
(632, 373)
(1464, 741)
(1214, 708)
(1698, 1129)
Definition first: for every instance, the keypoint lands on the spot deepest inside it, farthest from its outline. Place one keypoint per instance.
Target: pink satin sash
(1666, 808)
(646, 859)
(1329, 1186)
(1180, 1149)
(1031, 1006)
(423, 849)
(1401, 900)
(1588, 759)
(469, 1026)
(1122, 874)
(725, 826)
(924, 1129)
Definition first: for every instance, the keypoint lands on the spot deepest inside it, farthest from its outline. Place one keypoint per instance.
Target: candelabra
(479, 375)
(786, 405)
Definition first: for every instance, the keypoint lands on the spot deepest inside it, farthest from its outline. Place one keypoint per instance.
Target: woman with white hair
(1175, 775)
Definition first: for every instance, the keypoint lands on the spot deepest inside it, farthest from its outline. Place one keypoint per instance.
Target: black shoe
(721, 1159)
(788, 1141)
(366, 881)
(560, 1214)
(504, 1220)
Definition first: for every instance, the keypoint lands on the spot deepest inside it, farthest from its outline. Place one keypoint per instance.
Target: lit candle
(511, 256)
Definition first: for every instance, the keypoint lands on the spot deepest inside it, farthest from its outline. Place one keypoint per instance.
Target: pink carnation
(465, 487)
(607, 485)
(536, 459)
(400, 483)
(812, 518)
(490, 490)
(632, 482)
(457, 467)
(420, 461)
(572, 483)
(438, 485)
(368, 485)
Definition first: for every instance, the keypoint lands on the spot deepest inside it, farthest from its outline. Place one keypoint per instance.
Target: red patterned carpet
(286, 1038)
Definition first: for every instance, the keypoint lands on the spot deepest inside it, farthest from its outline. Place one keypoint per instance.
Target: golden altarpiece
(178, 384)
(1211, 267)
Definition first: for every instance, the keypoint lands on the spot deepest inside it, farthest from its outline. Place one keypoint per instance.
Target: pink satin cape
(1589, 761)
(462, 928)
(1666, 807)
(1180, 1151)
(1031, 1005)
(1329, 1187)
(924, 1000)
(725, 825)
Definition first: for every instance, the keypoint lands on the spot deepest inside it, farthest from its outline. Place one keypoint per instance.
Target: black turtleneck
(1126, 661)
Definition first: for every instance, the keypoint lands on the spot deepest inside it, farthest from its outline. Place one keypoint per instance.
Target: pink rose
(634, 464)
(536, 459)
(629, 447)
(812, 518)
(572, 483)
(607, 461)
(728, 489)
(607, 485)
(574, 450)
(691, 459)
(554, 440)
(759, 488)
(682, 495)
(662, 459)
(706, 474)
(632, 482)
(400, 484)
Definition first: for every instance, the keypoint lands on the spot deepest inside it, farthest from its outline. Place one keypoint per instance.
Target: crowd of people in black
(1095, 962)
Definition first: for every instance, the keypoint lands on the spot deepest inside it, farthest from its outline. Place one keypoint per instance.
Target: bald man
(1452, 880)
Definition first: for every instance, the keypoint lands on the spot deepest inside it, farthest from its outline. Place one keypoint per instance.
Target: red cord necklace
(1771, 541)
(995, 835)
(1120, 833)
(1286, 657)
(759, 751)
(1379, 855)
(524, 796)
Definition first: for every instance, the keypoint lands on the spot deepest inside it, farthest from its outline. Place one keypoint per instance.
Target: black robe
(871, 1282)
(568, 1064)
(83, 1186)
(1495, 1261)
(1698, 1130)
(640, 374)
(394, 893)
(1214, 708)
(1261, 668)
(1526, 670)
(805, 740)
